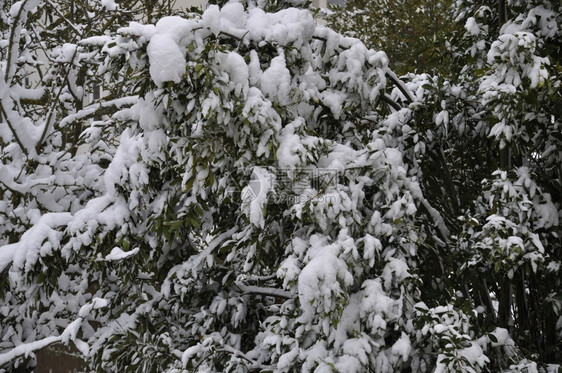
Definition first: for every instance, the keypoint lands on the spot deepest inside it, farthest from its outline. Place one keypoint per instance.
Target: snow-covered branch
(400, 85)
(68, 334)
(261, 290)
(95, 108)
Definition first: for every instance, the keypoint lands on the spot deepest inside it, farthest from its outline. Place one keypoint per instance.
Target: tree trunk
(502, 13)
(504, 307)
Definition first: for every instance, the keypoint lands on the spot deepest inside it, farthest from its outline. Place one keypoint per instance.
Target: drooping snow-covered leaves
(263, 196)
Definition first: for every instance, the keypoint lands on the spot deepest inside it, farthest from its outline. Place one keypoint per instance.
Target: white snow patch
(254, 195)
(291, 150)
(472, 26)
(167, 62)
(275, 82)
(109, 4)
(118, 254)
(402, 347)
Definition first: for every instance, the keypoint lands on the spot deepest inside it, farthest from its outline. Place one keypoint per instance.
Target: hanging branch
(389, 74)
(261, 290)
(386, 99)
(400, 85)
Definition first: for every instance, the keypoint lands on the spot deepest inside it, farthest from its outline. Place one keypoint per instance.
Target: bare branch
(52, 110)
(64, 18)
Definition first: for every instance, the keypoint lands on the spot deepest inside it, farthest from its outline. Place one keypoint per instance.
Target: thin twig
(64, 18)
(52, 110)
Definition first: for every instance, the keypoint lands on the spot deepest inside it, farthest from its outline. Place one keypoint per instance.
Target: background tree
(493, 132)
(414, 34)
(519, 90)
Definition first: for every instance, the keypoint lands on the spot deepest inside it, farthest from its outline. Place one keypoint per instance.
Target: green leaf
(195, 222)
(174, 225)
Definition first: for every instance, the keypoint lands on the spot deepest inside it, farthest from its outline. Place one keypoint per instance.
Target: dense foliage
(415, 34)
(256, 192)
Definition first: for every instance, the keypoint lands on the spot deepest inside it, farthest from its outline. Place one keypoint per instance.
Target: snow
(68, 334)
(26, 131)
(82, 346)
(320, 279)
(168, 39)
(109, 4)
(275, 81)
(92, 108)
(289, 270)
(546, 213)
(372, 246)
(286, 360)
(235, 66)
(28, 93)
(146, 114)
(98, 40)
(189, 353)
(27, 348)
(343, 294)
(394, 270)
(231, 19)
(255, 194)
(545, 18)
(24, 254)
(334, 100)
(167, 59)
(338, 158)
(502, 337)
(377, 307)
(126, 155)
(167, 62)
(349, 325)
(442, 118)
(67, 53)
(118, 254)
(288, 26)
(95, 304)
(402, 347)
(291, 150)
(472, 26)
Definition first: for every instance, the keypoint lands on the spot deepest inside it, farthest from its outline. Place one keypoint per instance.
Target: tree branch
(386, 99)
(260, 290)
(52, 110)
(399, 84)
(11, 46)
(12, 128)
(448, 179)
(64, 18)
